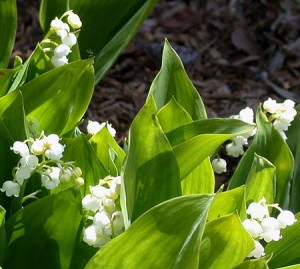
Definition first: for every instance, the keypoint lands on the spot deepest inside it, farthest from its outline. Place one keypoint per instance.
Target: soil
(237, 54)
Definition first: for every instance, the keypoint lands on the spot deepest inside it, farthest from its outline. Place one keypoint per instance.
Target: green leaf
(6, 78)
(261, 263)
(296, 266)
(228, 202)
(269, 144)
(207, 126)
(223, 247)
(172, 80)
(8, 26)
(286, 250)
(261, 180)
(108, 151)
(166, 236)
(80, 151)
(3, 241)
(51, 9)
(47, 228)
(12, 128)
(201, 179)
(63, 99)
(151, 173)
(293, 142)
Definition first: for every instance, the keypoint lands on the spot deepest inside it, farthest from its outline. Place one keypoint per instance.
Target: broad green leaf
(207, 126)
(8, 26)
(228, 202)
(44, 233)
(261, 180)
(166, 236)
(192, 152)
(172, 80)
(51, 9)
(6, 78)
(58, 99)
(3, 241)
(12, 128)
(286, 250)
(108, 151)
(293, 142)
(172, 115)
(151, 174)
(261, 263)
(269, 144)
(201, 179)
(80, 151)
(225, 243)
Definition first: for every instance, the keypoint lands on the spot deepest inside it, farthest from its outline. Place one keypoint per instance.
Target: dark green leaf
(286, 250)
(6, 78)
(166, 236)
(44, 233)
(8, 26)
(293, 142)
(3, 241)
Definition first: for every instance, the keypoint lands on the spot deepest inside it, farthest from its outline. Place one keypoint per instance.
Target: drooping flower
(50, 179)
(20, 148)
(253, 227)
(258, 251)
(258, 210)
(286, 218)
(219, 165)
(11, 188)
(74, 20)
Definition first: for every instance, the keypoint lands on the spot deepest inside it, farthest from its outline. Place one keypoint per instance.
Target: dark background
(237, 53)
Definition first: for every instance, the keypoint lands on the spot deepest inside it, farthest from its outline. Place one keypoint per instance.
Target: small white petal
(219, 165)
(69, 40)
(11, 188)
(20, 148)
(286, 218)
(90, 202)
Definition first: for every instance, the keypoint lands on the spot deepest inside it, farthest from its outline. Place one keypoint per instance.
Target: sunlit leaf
(166, 236)
(224, 247)
(8, 26)
(151, 173)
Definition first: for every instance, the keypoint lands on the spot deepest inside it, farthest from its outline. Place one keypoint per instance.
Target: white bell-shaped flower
(51, 180)
(90, 202)
(102, 220)
(219, 165)
(70, 39)
(59, 61)
(22, 173)
(94, 236)
(286, 218)
(57, 24)
(257, 210)
(234, 149)
(258, 251)
(74, 20)
(62, 50)
(118, 222)
(11, 188)
(253, 227)
(247, 115)
(271, 229)
(20, 148)
(270, 106)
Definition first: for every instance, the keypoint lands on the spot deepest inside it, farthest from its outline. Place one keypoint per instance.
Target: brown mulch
(237, 53)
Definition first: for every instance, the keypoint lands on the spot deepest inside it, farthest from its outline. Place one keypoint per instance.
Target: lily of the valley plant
(74, 198)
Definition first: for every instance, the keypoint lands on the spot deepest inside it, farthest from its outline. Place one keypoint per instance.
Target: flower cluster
(94, 127)
(261, 226)
(43, 156)
(236, 147)
(105, 218)
(280, 114)
(67, 38)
